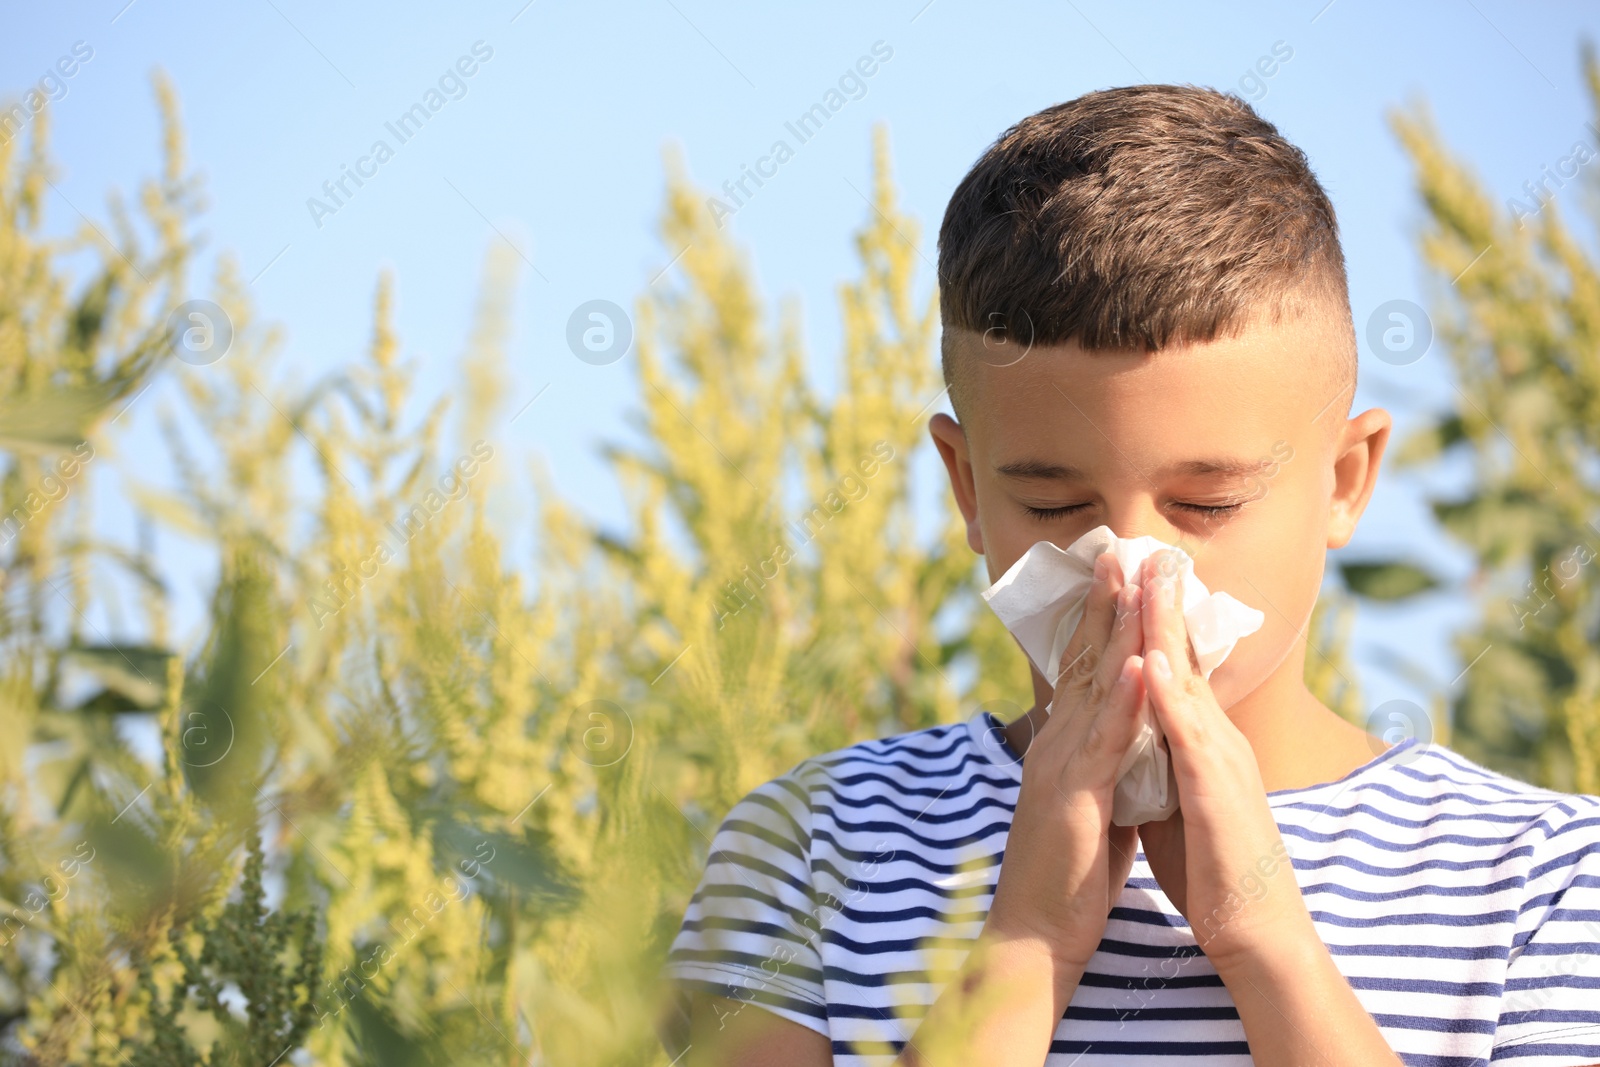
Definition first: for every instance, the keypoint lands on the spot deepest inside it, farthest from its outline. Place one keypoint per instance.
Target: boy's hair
(1139, 217)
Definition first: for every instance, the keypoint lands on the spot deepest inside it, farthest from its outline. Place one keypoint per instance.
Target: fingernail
(1102, 567)
(1159, 664)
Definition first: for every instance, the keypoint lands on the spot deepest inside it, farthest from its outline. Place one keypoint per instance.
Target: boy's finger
(1171, 701)
(1126, 637)
(1085, 649)
(1098, 741)
(1187, 712)
(1164, 627)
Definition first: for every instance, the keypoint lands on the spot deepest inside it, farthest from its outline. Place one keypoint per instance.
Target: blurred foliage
(1517, 312)
(1329, 674)
(486, 788)
(271, 960)
(1389, 580)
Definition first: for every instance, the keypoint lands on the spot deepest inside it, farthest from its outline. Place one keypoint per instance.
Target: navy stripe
(877, 828)
(1184, 1049)
(1432, 952)
(1430, 889)
(1454, 1026)
(1552, 981)
(1375, 812)
(1493, 918)
(1517, 1018)
(1355, 834)
(1497, 860)
(901, 744)
(925, 813)
(1433, 987)
(1431, 799)
(966, 759)
(1147, 982)
(1588, 1050)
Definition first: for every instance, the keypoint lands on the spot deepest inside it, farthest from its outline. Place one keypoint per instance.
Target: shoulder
(903, 760)
(1435, 774)
(752, 931)
(922, 773)
(1418, 775)
(930, 751)
(1469, 807)
(1424, 807)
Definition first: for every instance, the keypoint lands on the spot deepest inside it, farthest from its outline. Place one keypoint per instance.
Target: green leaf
(134, 564)
(525, 861)
(1429, 442)
(56, 418)
(1502, 524)
(1386, 580)
(381, 1039)
(131, 856)
(85, 327)
(174, 511)
(133, 677)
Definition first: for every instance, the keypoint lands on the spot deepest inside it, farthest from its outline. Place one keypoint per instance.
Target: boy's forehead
(1236, 393)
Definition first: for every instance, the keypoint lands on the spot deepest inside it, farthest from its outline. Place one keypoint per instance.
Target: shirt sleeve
(752, 929)
(1550, 1008)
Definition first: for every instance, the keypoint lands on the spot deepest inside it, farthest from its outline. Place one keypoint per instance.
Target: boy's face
(1120, 439)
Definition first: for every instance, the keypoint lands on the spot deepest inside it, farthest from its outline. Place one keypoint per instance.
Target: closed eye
(1210, 511)
(1053, 513)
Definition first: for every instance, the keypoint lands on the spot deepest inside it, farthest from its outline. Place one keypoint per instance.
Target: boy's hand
(1062, 870)
(1219, 858)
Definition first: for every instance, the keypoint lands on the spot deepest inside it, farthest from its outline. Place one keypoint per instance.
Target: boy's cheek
(1002, 547)
(1003, 542)
(1272, 558)
(1008, 532)
(1256, 657)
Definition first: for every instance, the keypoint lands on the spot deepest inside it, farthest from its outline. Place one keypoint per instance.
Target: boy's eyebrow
(1037, 468)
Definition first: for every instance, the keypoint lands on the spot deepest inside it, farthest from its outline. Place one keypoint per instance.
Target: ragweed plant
(1516, 311)
(488, 784)
(270, 959)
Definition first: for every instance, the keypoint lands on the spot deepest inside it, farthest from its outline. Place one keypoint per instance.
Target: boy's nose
(1141, 519)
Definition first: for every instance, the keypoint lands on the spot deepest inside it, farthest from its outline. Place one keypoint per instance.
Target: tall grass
(482, 786)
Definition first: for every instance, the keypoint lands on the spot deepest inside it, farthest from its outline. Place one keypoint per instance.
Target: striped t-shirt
(1462, 906)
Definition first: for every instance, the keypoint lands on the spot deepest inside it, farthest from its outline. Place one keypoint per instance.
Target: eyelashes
(1053, 513)
(1214, 510)
(1210, 511)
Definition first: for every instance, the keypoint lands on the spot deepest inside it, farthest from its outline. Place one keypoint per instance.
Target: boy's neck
(1298, 740)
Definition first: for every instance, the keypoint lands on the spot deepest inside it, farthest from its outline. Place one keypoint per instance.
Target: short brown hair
(1138, 217)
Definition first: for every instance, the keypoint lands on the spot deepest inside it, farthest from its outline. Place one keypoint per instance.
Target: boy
(1147, 326)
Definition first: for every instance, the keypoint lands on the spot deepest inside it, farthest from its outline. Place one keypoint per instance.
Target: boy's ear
(1357, 454)
(951, 441)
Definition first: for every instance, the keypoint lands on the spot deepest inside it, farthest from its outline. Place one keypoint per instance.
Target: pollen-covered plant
(243, 960)
(405, 794)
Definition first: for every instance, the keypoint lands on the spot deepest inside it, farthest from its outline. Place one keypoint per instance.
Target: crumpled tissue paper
(1040, 600)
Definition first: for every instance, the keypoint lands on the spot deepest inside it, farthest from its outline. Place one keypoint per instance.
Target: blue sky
(555, 142)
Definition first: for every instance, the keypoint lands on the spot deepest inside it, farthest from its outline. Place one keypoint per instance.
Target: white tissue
(1040, 600)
